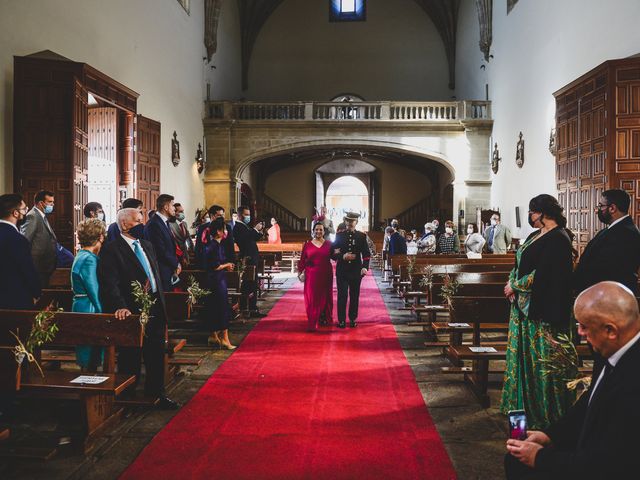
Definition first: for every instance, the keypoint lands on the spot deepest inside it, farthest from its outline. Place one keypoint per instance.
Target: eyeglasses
(600, 205)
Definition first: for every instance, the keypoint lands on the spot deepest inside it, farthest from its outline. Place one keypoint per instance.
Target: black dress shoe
(165, 403)
(353, 323)
(257, 314)
(342, 324)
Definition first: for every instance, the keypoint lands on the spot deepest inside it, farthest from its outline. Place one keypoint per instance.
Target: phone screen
(518, 425)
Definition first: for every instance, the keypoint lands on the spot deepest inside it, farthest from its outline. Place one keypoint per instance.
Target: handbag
(302, 277)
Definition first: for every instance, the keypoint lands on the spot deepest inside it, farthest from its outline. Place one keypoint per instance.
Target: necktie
(490, 242)
(145, 265)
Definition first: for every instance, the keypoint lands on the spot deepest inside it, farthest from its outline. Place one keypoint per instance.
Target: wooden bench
(98, 409)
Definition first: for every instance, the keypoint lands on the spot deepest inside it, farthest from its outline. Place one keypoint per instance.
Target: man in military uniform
(351, 252)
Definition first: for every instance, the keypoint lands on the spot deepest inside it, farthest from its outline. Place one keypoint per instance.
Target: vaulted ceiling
(443, 14)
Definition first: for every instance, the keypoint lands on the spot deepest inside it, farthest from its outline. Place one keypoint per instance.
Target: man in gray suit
(498, 236)
(38, 231)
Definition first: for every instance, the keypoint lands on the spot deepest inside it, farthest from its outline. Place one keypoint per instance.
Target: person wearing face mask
(218, 310)
(427, 243)
(274, 233)
(158, 232)
(19, 279)
(181, 235)
(539, 289)
(113, 232)
(498, 236)
(91, 234)
(123, 261)
(93, 210)
(449, 242)
(246, 238)
(474, 242)
(614, 253)
(44, 245)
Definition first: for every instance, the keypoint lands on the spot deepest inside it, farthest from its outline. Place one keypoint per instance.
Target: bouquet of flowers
(563, 363)
(144, 301)
(195, 292)
(43, 330)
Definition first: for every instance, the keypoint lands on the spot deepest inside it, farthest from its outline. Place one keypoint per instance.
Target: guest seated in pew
(597, 438)
(84, 282)
(218, 310)
(539, 289)
(427, 243)
(123, 261)
(474, 241)
(19, 280)
(138, 232)
(449, 241)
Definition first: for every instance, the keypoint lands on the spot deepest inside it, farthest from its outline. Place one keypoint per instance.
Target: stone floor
(474, 437)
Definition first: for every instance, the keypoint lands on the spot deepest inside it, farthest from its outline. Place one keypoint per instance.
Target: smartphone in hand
(517, 424)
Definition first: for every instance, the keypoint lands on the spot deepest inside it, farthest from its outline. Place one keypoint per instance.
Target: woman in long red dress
(315, 269)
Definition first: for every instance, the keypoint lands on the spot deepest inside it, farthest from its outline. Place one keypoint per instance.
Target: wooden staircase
(288, 221)
(416, 215)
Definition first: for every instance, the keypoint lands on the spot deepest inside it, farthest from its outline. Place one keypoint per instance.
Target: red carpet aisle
(339, 404)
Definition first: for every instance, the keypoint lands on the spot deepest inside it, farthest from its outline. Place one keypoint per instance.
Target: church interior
(289, 114)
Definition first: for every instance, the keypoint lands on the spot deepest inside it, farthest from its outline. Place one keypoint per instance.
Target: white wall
(226, 78)
(151, 46)
(538, 48)
(395, 54)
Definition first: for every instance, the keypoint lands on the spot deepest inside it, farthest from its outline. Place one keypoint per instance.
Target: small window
(347, 10)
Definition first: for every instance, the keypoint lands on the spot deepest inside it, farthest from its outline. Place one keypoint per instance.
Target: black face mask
(532, 222)
(605, 216)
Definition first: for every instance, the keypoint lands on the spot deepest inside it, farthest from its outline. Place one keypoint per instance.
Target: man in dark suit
(44, 245)
(397, 243)
(598, 436)
(158, 232)
(124, 260)
(113, 231)
(19, 282)
(246, 238)
(351, 252)
(614, 253)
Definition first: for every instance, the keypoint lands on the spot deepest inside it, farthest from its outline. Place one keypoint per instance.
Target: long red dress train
(315, 262)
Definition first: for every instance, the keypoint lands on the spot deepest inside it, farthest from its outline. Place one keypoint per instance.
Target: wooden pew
(98, 409)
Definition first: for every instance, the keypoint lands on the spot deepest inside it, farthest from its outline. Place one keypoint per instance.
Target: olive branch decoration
(449, 288)
(42, 331)
(144, 301)
(195, 291)
(563, 363)
(426, 281)
(411, 263)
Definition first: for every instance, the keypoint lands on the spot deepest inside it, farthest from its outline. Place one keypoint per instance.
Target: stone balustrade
(351, 111)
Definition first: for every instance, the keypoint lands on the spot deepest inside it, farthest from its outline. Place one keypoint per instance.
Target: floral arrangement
(449, 288)
(196, 293)
(144, 301)
(563, 363)
(43, 330)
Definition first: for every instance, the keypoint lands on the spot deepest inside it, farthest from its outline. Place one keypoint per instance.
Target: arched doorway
(348, 194)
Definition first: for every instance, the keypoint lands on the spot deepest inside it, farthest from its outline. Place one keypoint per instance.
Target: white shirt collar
(130, 241)
(615, 358)
(618, 220)
(9, 223)
(164, 219)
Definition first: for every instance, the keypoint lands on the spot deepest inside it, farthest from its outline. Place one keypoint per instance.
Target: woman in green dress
(539, 289)
(84, 282)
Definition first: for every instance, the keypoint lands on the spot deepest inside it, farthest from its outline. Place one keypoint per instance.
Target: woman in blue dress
(217, 305)
(84, 282)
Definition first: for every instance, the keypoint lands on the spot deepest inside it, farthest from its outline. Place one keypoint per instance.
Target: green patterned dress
(545, 398)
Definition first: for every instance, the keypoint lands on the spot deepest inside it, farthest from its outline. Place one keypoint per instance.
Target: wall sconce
(200, 161)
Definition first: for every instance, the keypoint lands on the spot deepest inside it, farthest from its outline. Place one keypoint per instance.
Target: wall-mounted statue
(495, 158)
(520, 151)
(175, 150)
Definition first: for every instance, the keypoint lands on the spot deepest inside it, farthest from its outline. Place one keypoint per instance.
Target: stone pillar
(476, 191)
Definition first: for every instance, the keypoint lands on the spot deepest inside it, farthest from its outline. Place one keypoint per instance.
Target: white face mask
(469, 231)
(449, 230)
(494, 221)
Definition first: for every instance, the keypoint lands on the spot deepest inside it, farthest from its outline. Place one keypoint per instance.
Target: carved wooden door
(80, 152)
(147, 161)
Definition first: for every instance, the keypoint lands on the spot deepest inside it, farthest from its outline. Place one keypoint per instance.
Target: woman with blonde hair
(91, 235)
